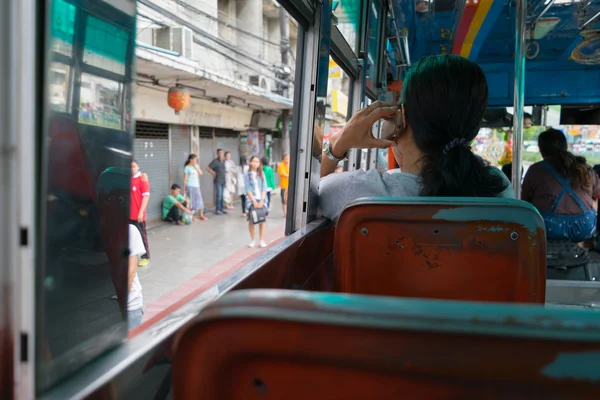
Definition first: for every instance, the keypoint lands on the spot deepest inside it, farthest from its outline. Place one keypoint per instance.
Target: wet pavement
(183, 255)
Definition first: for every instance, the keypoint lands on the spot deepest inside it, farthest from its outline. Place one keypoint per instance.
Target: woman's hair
(227, 153)
(135, 162)
(189, 159)
(243, 161)
(259, 172)
(444, 98)
(265, 161)
(554, 149)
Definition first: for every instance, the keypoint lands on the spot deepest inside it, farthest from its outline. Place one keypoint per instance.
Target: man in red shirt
(140, 195)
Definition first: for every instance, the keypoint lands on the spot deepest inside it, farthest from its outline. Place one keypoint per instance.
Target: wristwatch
(327, 151)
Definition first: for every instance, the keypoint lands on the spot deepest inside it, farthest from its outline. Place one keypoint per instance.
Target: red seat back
(447, 248)
(308, 345)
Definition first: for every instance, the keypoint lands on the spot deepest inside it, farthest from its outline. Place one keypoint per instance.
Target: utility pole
(284, 30)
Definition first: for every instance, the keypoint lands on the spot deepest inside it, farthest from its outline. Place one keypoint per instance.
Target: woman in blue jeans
(256, 198)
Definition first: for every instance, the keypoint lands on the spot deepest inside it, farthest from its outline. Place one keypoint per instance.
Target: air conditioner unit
(260, 81)
(179, 39)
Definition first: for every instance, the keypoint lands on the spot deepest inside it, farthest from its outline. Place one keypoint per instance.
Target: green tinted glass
(62, 27)
(105, 46)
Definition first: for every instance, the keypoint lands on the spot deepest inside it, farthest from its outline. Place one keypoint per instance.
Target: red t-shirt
(139, 189)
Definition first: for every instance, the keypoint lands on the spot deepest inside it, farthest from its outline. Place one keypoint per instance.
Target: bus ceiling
(562, 44)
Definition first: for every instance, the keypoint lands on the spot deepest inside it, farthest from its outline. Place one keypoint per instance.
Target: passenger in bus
(191, 186)
(174, 207)
(284, 178)
(564, 189)
(442, 106)
(135, 300)
(256, 200)
(140, 196)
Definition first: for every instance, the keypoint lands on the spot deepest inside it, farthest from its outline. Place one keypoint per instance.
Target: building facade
(228, 55)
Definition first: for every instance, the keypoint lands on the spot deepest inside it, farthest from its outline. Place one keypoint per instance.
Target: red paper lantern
(179, 99)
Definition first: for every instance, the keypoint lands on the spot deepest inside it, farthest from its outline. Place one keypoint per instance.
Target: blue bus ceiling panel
(489, 23)
(576, 86)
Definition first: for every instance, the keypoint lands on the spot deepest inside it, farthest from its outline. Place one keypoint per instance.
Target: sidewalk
(183, 256)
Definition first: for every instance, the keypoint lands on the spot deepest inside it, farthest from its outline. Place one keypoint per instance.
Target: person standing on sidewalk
(256, 199)
(191, 186)
(242, 170)
(269, 179)
(135, 300)
(217, 169)
(230, 181)
(284, 177)
(140, 195)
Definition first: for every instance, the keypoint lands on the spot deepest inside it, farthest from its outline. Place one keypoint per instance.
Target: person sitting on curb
(174, 205)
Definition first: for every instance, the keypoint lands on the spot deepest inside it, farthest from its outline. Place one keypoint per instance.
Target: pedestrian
(139, 198)
(135, 300)
(269, 178)
(174, 207)
(217, 169)
(230, 181)
(242, 170)
(191, 186)
(284, 175)
(256, 200)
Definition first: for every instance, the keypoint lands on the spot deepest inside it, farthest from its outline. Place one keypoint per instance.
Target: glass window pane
(62, 27)
(99, 102)
(373, 42)
(105, 46)
(348, 15)
(59, 87)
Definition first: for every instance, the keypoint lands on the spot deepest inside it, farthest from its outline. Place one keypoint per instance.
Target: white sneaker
(252, 244)
(263, 244)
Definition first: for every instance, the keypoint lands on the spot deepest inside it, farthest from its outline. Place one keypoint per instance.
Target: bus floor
(183, 258)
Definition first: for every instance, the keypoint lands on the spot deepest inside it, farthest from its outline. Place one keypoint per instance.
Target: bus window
(373, 43)
(83, 206)
(348, 14)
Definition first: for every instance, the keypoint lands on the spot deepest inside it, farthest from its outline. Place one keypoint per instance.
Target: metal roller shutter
(180, 150)
(151, 150)
(229, 140)
(207, 154)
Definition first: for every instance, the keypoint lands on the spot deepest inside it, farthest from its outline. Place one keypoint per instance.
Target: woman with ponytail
(564, 189)
(430, 132)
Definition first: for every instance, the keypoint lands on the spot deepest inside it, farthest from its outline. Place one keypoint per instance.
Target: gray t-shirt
(219, 167)
(337, 190)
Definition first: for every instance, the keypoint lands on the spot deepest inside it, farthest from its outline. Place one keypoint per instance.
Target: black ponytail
(554, 149)
(444, 98)
(189, 159)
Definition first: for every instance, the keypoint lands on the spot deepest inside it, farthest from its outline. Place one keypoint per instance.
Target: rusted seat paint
(447, 248)
(275, 344)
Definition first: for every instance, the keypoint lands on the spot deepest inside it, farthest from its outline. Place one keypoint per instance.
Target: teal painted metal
(497, 319)
(462, 209)
(579, 366)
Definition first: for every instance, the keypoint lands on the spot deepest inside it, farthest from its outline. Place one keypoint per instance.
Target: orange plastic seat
(480, 249)
(275, 344)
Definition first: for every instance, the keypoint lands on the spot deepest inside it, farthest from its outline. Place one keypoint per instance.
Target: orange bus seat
(476, 249)
(278, 344)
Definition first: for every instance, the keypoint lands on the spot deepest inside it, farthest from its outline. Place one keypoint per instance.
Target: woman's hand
(261, 204)
(357, 132)
(255, 204)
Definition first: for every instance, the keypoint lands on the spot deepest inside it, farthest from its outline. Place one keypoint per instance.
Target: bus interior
(417, 297)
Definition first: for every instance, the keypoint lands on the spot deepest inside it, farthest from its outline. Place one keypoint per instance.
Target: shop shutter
(151, 150)
(180, 150)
